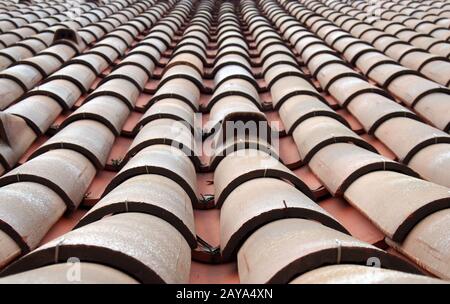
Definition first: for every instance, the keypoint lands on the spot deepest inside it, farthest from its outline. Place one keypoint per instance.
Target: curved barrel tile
(233, 71)
(15, 138)
(174, 133)
(183, 57)
(260, 201)
(280, 251)
(408, 200)
(296, 109)
(235, 87)
(133, 73)
(347, 88)
(289, 86)
(69, 177)
(372, 110)
(108, 110)
(142, 246)
(105, 51)
(433, 163)
(23, 74)
(228, 105)
(88, 137)
(356, 274)
(183, 71)
(277, 70)
(119, 88)
(95, 61)
(247, 131)
(63, 91)
(151, 194)
(38, 111)
(90, 273)
(171, 108)
(81, 75)
(231, 55)
(339, 165)
(151, 51)
(9, 249)
(164, 160)
(179, 88)
(435, 109)
(244, 165)
(427, 244)
(46, 64)
(317, 132)
(27, 211)
(10, 91)
(396, 134)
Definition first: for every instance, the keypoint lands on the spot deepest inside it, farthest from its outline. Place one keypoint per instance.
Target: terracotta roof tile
(171, 108)
(319, 26)
(180, 88)
(430, 235)
(15, 137)
(81, 75)
(148, 193)
(10, 249)
(239, 167)
(315, 133)
(38, 111)
(355, 274)
(228, 105)
(160, 159)
(108, 110)
(274, 253)
(223, 145)
(120, 237)
(372, 110)
(28, 212)
(353, 91)
(62, 50)
(384, 70)
(243, 212)
(57, 274)
(390, 132)
(346, 162)
(68, 166)
(432, 163)
(88, 137)
(63, 91)
(416, 198)
(45, 64)
(165, 131)
(203, 132)
(297, 109)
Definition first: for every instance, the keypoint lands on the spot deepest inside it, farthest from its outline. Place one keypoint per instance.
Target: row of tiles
(429, 137)
(12, 17)
(12, 37)
(71, 165)
(166, 254)
(332, 163)
(381, 69)
(388, 110)
(388, 121)
(228, 180)
(373, 199)
(29, 40)
(432, 11)
(62, 89)
(436, 27)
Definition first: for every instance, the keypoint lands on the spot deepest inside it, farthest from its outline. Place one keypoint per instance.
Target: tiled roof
(206, 141)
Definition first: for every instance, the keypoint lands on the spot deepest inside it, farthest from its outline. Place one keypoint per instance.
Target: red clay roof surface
(207, 141)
